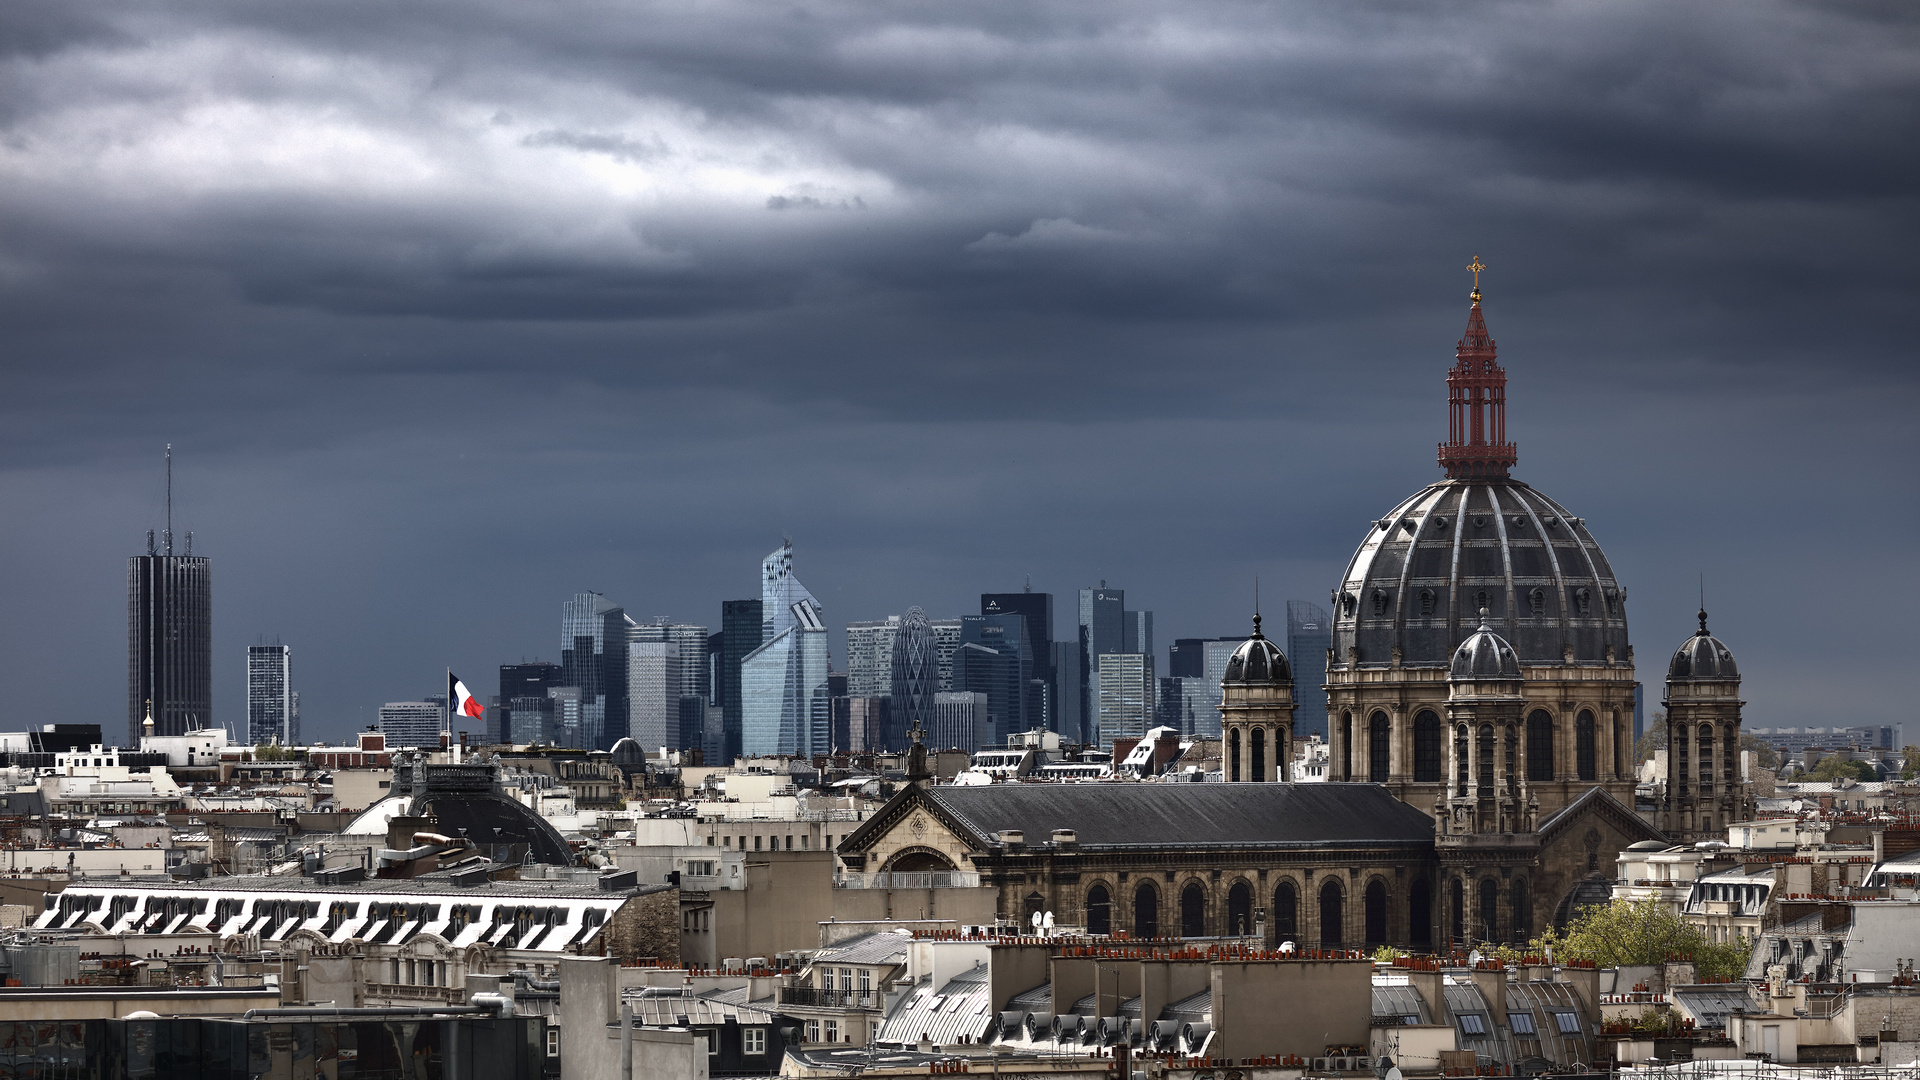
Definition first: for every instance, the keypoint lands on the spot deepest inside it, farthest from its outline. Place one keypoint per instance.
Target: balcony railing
(829, 999)
(911, 879)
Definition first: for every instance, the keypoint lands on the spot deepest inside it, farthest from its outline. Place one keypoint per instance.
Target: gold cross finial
(1476, 266)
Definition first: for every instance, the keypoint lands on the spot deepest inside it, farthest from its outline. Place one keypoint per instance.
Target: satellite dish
(1047, 920)
(1473, 958)
(1394, 1073)
(1036, 920)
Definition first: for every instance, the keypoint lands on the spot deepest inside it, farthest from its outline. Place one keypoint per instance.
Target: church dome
(1258, 661)
(1478, 539)
(1702, 656)
(1484, 655)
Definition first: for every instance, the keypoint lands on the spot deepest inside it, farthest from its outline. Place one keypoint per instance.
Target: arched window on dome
(1485, 750)
(1585, 748)
(1346, 746)
(1729, 755)
(1379, 754)
(1461, 762)
(1426, 747)
(1233, 755)
(1539, 745)
(1257, 742)
(1706, 759)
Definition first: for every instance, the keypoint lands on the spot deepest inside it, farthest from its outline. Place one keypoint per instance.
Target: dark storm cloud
(456, 308)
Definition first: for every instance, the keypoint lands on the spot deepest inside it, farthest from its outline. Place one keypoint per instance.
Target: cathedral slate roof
(1122, 816)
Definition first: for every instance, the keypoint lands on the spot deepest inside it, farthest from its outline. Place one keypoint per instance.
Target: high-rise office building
(1309, 636)
(525, 714)
(1068, 683)
(271, 717)
(1137, 632)
(593, 655)
(786, 707)
(740, 629)
(870, 656)
(1186, 658)
(868, 724)
(961, 721)
(946, 638)
(1102, 631)
(690, 640)
(916, 678)
(653, 692)
(1127, 688)
(567, 718)
(994, 658)
(1043, 690)
(169, 639)
(413, 723)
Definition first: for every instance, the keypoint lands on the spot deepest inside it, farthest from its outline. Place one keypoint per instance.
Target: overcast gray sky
(451, 310)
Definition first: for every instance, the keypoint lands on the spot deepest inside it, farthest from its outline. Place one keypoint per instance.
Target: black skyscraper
(739, 635)
(1043, 689)
(523, 688)
(169, 641)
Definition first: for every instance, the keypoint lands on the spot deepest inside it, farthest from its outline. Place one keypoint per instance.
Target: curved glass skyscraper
(916, 678)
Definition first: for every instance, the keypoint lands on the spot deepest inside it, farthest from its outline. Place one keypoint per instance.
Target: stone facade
(647, 926)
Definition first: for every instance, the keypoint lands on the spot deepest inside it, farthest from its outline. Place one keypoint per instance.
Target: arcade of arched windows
(1571, 741)
(1375, 907)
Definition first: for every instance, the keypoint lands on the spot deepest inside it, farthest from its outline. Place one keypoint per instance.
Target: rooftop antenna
(167, 536)
(1029, 582)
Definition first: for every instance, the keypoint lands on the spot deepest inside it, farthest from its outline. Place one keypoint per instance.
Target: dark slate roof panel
(1189, 815)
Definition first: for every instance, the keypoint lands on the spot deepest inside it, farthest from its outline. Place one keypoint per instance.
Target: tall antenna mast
(169, 533)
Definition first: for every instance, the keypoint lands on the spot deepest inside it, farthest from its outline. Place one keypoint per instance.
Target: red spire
(1476, 446)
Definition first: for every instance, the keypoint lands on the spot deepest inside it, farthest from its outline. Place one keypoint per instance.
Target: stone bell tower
(1256, 712)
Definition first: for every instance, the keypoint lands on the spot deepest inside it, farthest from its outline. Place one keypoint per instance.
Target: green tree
(1645, 932)
(1654, 739)
(1764, 755)
(1910, 761)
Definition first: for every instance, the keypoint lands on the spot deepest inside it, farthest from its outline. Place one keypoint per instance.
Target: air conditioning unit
(1323, 1065)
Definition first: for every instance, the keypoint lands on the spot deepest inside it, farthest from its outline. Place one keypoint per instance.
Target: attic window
(1521, 1023)
(1473, 1024)
(1567, 1022)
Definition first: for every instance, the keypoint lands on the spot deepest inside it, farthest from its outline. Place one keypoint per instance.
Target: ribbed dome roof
(1484, 655)
(1702, 656)
(1258, 661)
(1425, 569)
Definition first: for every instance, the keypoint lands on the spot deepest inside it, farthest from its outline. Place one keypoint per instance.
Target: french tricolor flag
(462, 700)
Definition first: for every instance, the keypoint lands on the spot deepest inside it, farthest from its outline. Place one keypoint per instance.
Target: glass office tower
(593, 656)
(1309, 636)
(916, 678)
(169, 641)
(270, 714)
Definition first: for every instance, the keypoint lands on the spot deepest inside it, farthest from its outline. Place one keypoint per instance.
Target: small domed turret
(1702, 656)
(1258, 661)
(1485, 655)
